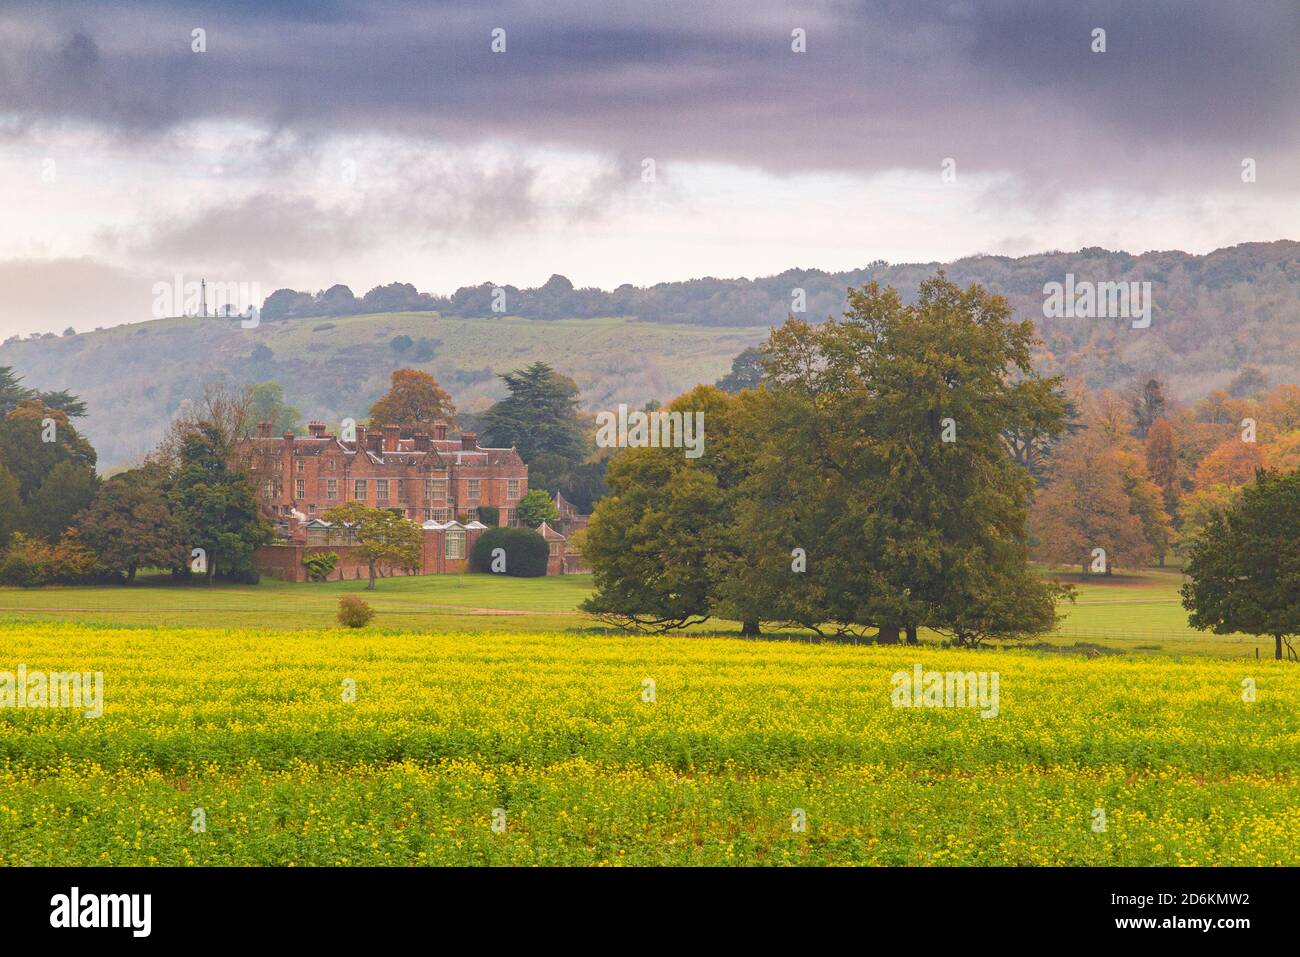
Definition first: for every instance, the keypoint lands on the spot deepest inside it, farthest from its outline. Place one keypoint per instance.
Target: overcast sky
(365, 142)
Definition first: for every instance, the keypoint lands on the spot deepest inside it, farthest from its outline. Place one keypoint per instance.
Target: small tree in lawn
(381, 535)
(536, 507)
(1245, 564)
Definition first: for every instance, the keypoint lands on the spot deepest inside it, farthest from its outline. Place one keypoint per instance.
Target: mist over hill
(1210, 315)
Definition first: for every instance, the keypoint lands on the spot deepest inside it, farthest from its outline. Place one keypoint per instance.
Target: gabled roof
(550, 534)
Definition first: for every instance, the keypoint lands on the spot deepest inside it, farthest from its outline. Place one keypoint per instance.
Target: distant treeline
(1224, 288)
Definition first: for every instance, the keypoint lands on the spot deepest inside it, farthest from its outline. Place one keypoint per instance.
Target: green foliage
(526, 552)
(215, 501)
(746, 372)
(489, 515)
(320, 564)
(131, 525)
(354, 612)
(831, 497)
(656, 541)
(538, 416)
(582, 483)
(67, 490)
(536, 507)
(28, 456)
(12, 392)
(381, 536)
(11, 505)
(1244, 565)
(268, 405)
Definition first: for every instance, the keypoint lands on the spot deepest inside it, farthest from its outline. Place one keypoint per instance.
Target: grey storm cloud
(1185, 90)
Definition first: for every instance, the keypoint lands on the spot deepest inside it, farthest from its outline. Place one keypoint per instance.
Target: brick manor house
(436, 482)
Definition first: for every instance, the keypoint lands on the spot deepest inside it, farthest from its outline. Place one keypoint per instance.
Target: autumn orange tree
(413, 398)
(1086, 505)
(1284, 454)
(1233, 462)
(1162, 462)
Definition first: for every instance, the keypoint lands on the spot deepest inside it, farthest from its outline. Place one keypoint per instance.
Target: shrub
(489, 515)
(32, 561)
(354, 612)
(526, 552)
(320, 565)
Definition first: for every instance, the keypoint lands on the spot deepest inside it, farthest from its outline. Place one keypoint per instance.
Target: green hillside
(135, 377)
(1210, 315)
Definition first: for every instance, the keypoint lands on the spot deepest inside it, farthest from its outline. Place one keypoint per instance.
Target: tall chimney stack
(468, 441)
(392, 433)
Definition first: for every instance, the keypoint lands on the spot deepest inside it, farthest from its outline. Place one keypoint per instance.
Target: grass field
(253, 728)
(1135, 614)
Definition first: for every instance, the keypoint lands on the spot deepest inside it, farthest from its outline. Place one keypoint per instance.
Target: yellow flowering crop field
(325, 747)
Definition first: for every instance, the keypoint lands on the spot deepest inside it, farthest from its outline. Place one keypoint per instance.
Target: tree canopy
(865, 486)
(1244, 566)
(538, 416)
(381, 536)
(413, 398)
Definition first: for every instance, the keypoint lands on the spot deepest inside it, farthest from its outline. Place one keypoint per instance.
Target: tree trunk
(911, 635)
(371, 586)
(1277, 647)
(130, 573)
(750, 629)
(887, 635)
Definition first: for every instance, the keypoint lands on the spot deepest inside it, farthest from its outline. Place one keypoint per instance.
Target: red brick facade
(437, 482)
(425, 477)
(444, 550)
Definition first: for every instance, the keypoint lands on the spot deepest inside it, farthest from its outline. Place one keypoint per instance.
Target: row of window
(435, 490)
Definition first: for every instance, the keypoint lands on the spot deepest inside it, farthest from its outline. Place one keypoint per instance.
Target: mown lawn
(1135, 614)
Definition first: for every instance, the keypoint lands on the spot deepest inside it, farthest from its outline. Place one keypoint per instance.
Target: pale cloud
(467, 165)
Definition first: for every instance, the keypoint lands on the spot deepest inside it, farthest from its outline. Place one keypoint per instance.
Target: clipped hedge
(526, 552)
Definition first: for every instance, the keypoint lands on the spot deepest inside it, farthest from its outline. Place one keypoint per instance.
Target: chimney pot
(468, 441)
(392, 433)
(264, 429)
